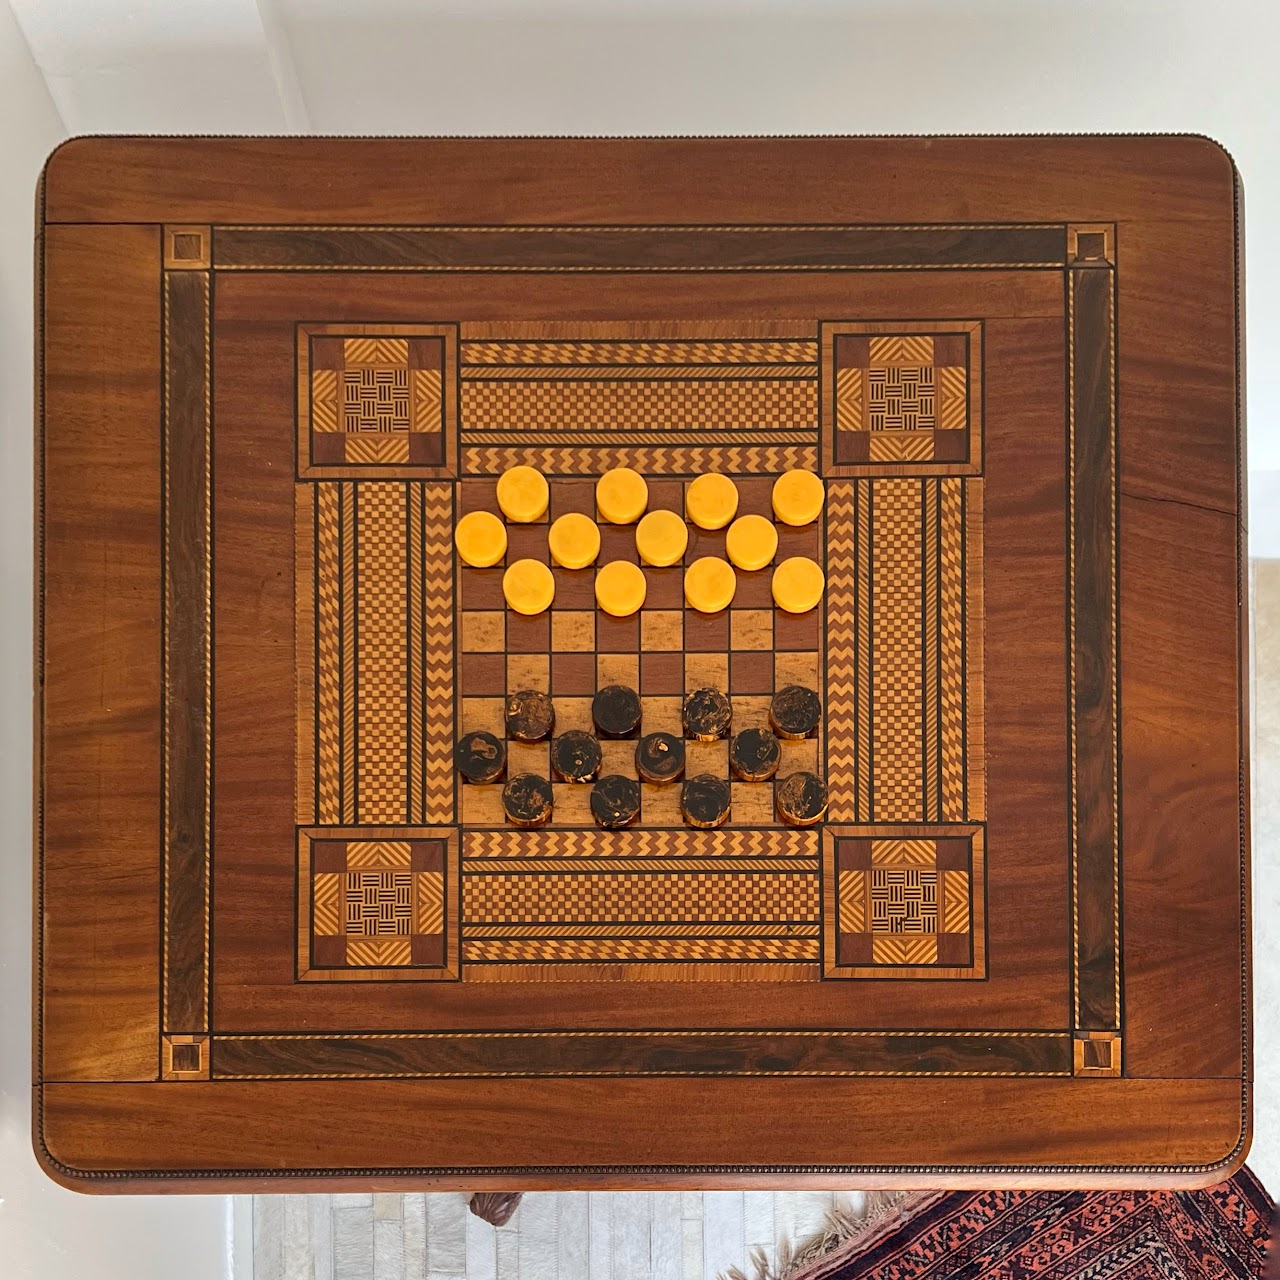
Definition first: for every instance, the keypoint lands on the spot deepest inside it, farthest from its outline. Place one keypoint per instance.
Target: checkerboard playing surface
(664, 651)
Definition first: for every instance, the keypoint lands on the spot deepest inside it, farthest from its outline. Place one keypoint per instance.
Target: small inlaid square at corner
(1091, 244)
(187, 248)
(1098, 1053)
(185, 1057)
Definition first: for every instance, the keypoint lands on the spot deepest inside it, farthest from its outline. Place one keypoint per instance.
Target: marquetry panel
(905, 740)
(901, 399)
(904, 902)
(377, 399)
(377, 904)
(375, 639)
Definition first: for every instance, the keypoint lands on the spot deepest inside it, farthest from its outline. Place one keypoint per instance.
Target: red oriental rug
(1220, 1233)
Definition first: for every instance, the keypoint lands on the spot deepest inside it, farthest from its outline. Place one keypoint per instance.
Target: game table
(281, 944)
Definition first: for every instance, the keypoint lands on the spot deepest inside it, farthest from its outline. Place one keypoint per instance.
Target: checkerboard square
(751, 629)
(617, 635)
(753, 804)
(478, 494)
(802, 540)
(704, 542)
(793, 631)
(529, 757)
(618, 542)
(661, 673)
(571, 803)
(751, 673)
(483, 632)
(573, 673)
(528, 671)
(529, 634)
(796, 668)
(573, 495)
(755, 590)
(575, 588)
(661, 714)
(751, 711)
(482, 589)
(660, 804)
(618, 755)
(485, 715)
(572, 713)
(755, 495)
(661, 629)
(665, 588)
(799, 757)
(618, 668)
(573, 631)
(482, 674)
(527, 542)
(706, 632)
(706, 757)
(482, 805)
(706, 670)
(666, 494)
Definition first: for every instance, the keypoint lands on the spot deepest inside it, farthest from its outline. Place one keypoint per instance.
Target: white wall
(47, 1232)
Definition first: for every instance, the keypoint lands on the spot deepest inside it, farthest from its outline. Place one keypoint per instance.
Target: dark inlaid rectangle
(1095, 870)
(186, 648)
(631, 1053)
(613, 248)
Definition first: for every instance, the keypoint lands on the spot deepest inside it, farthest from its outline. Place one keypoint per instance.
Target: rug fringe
(843, 1230)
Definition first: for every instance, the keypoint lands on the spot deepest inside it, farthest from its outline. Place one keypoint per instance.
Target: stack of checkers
(699, 766)
(663, 651)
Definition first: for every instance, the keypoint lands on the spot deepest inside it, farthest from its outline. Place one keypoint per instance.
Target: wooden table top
(279, 943)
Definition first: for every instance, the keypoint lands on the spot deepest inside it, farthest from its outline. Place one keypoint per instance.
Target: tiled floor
(697, 1235)
(577, 1235)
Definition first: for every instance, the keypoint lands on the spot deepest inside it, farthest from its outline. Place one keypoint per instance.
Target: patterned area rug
(1220, 1233)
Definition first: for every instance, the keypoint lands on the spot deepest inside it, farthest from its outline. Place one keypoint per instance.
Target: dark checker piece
(480, 757)
(707, 715)
(704, 801)
(527, 800)
(616, 711)
(794, 712)
(615, 801)
(660, 757)
(754, 755)
(801, 799)
(575, 756)
(531, 716)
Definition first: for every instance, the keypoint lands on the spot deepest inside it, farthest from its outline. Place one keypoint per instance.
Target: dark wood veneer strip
(727, 249)
(643, 1053)
(1095, 830)
(186, 539)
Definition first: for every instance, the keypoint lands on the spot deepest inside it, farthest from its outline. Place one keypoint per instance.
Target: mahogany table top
(281, 944)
